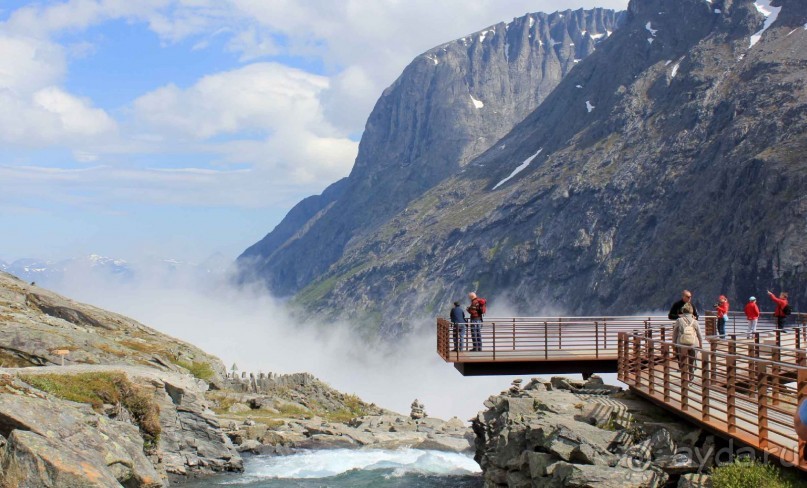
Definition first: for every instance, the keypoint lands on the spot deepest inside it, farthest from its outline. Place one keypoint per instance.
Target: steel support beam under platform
(586, 367)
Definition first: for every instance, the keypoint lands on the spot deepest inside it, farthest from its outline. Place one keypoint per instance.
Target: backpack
(687, 333)
(787, 310)
(483, 306)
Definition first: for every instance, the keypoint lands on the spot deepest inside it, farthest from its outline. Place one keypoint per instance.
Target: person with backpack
(752, 314)
(687, 336)
(782, 308)
(722, 307)
(459, 320)
(476, 311)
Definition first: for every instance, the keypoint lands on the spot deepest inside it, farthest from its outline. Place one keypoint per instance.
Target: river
(343, 468)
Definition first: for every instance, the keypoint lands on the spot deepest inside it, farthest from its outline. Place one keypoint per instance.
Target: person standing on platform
(475, 312)
(722, 307)
(459, 320)
(752, 314)
(686, 298)
(686, 337)
(782, 308)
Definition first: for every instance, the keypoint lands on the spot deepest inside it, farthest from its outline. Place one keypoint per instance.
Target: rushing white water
(327, 463)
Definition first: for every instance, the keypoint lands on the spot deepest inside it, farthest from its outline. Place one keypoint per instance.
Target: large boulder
(53, 442)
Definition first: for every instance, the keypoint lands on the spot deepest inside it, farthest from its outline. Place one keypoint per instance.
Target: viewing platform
(561, 345)
(746, 388)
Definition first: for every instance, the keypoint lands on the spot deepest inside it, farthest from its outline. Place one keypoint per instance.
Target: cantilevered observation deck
(746, 388)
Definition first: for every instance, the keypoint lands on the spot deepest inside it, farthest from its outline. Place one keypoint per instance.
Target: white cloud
(261, 96)
(273, 111)
(289, 126)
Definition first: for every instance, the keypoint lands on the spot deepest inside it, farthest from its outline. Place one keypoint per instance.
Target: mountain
(447, 107)
(670, 158)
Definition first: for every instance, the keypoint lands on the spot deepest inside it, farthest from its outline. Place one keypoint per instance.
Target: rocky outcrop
(447, 107)
(556, 433)
(675, 122)
(55, 443)
(51, 440)
(372, 431)
(34, 323)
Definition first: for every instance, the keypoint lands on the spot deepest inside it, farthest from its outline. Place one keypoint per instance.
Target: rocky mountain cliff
(671, 157)
(449, 105)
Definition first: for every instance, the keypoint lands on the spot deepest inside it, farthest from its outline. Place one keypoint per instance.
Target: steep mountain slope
(671, 157)
(35, 322)
(449, 105)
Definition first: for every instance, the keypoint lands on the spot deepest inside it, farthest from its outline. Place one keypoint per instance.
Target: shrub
(201, 370)
(743, 473)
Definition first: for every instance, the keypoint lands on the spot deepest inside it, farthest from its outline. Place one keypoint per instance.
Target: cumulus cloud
(286, 125)
(34, 110)
(279, 104)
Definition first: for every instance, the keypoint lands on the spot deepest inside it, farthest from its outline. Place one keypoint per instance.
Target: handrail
(748, 397)
(509, 339)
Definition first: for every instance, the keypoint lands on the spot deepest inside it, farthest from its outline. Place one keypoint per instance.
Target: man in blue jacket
(458, 319)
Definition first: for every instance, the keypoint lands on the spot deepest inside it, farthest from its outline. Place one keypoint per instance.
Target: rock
(556, 444)
(37, 322)
(238, 408)
(537, 384)
(250, 445)
(566, 474)
(561, 383)
(538, 462)
(33, 461)
(696, 480)
(70, 440)
(418, 410)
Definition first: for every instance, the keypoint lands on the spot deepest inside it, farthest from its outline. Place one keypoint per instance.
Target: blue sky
(179, 128)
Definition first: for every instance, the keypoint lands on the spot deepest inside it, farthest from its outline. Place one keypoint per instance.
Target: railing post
(706, 384)
(636, 361)
(731, 388)
(666, 372)
(560, 334)
(801, 395)
(652, 357)
(687, 369)
(514, 334)
(546, 341)
(494, 340)
(596, 339)
(762, 407)
(605, 332)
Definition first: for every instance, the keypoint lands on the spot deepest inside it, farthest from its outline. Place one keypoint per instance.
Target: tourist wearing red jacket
(722, 307)
(752, 314)
(781, 303)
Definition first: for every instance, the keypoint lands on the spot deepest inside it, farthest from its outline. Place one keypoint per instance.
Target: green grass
(752, 474)
(354, 407)
(100, 388)
(199, 369)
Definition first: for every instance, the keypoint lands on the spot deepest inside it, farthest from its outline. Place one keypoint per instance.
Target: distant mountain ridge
(448, 106)
(48, 272)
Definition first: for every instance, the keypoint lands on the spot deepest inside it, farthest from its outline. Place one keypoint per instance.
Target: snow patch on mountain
(771, 14)
(477, 103)
(520, 168)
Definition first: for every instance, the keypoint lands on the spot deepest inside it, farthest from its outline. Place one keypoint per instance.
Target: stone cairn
(418, 410)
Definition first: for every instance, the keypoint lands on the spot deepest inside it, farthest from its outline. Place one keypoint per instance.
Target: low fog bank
(255, 331)
(248, 327)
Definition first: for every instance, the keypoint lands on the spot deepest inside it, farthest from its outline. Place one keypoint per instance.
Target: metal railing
(737, 323)
(503, 339)
(748, 390)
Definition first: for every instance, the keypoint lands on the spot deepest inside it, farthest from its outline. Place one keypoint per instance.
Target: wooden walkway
(742, 387)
